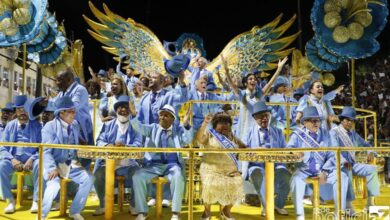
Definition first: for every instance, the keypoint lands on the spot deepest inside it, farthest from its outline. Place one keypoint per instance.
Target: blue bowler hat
(102, 73)
(50, 107)
(280, 81)
(348, 112)
(260, 107)
(310, 112)
(211, 86)
(177, 64)
(9, 107)
(19, 100)
(122, 100)
(32, 108)
(299, 91)
(63, 103)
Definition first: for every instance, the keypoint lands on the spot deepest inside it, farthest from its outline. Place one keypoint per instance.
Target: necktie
(313, 135)
(265, 132)
(312, 164)
(69, 129)
(153, 97)
(23, 126)
(164, 143)
(202, 96)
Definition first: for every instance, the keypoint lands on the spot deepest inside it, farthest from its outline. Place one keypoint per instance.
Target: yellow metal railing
(191, 152)
(367, 114)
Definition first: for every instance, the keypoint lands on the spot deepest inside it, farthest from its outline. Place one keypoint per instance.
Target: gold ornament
(332, 19)
(328, 79)
(21, 3)
(364, 18)
(341, 34)
(8, 26)
(331, 5)
(7, 4)
(356, 30)
(344, 4)
(22, 16)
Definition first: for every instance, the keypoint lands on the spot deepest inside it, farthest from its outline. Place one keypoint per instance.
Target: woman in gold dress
(221, 179)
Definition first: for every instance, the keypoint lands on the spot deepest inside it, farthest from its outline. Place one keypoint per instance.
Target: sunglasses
(315, 121)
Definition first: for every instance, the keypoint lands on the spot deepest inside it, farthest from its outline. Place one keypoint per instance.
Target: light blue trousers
(298, 186)
(6, 171)
(100, 183)
(282, 185)
(142, 178)
(364, 170)
(80, 178)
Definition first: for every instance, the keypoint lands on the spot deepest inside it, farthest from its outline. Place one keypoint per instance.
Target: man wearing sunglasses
(314, 164)
(262, 135)
(345, 135)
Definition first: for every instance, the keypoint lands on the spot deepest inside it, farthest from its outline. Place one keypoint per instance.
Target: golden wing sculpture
(124, 37)
(258, 49)
(302, 71)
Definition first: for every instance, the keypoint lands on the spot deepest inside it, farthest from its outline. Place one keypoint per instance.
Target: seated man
(117, 132)
(63, 163)
(263, 135)
(344, 135)
(23, 129)
(314, 164)
(162, 135)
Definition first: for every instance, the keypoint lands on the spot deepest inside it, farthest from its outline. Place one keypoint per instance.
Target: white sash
(225, 143)
(308, 140)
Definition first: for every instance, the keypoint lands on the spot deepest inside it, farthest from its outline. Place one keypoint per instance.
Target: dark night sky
(217, 25)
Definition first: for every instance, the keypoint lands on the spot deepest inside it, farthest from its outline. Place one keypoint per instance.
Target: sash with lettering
(308, 140)
(226, 144)
(347, 142)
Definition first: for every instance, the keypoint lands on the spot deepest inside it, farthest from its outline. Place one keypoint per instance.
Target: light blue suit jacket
(253, 141)
(79, 96)
(52, 133)
(108, 135)
(10, 135)
(174, 98)
(180, 135)
(356, 141)
(324, 140)
(201, 109)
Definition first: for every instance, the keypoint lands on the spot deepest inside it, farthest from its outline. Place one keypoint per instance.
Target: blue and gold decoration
(345, 29)
(256, 50)
(20, 20)
(191, 44)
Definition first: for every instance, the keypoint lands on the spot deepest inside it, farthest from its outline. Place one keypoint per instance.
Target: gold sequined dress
(217, 185)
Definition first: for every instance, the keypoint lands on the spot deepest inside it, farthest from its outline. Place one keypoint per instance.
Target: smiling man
(345, 136)
(23, 129)
(162, 135)
(314, 164)
(262, 135)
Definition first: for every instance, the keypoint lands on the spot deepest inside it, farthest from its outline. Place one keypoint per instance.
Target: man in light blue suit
(314, 164)
(117, 132)
(159, 96)
(279, 111)
(79, 95)
(7, 114)
(198, 72)
(202, 109)
(171, 165)
(344, 135)
(154, 100)
(128, 77)
(23, 129)
(63, 163)
(262, 135)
